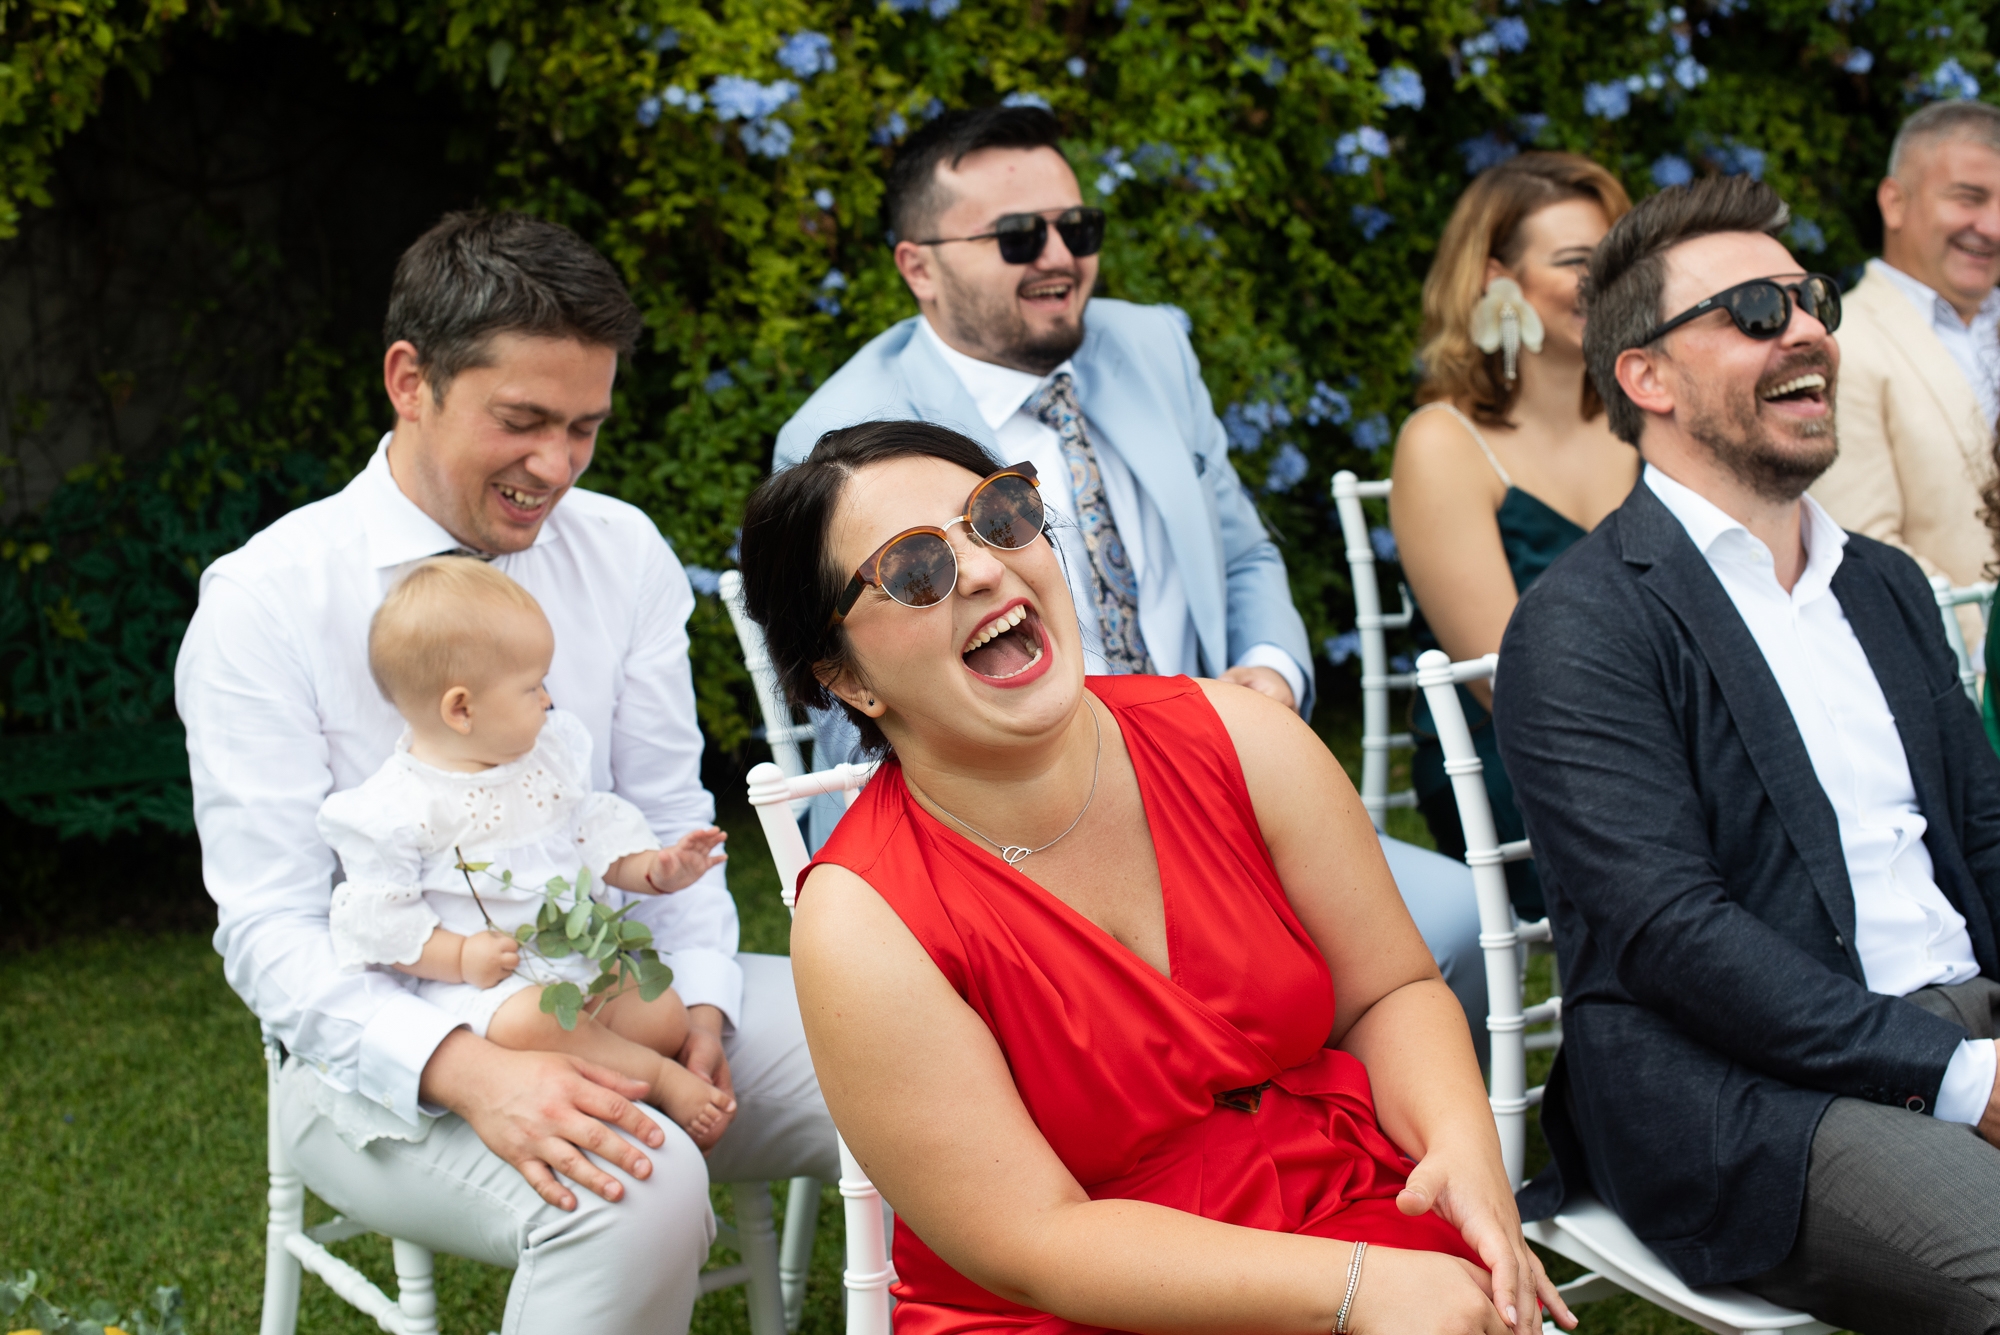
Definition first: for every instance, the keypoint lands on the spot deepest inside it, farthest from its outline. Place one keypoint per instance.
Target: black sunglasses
(918, 567)
(1762, 307)
(1023, 236)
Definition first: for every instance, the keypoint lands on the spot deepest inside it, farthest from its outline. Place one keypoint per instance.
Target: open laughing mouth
(1807, 390)
(1048, 293)
(522, 505)
(1009, 648)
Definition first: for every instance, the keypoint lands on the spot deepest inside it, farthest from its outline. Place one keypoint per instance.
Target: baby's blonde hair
(445, 626)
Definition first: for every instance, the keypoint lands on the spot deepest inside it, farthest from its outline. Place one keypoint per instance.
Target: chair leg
(416, 1291)
(757, 1239)
(795, 1256)
(286, 1203)
(868, 1272)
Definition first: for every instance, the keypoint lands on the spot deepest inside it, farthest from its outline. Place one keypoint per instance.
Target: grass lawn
(132, 1111)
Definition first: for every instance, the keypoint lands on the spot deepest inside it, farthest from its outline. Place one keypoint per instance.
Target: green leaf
(654, 978)
(524, 933)
(564, 1001)
(579, 921)
(498, 57)
(472, 866)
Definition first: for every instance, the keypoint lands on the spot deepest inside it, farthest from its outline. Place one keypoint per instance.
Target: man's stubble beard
(1740, 441)
(993, 324)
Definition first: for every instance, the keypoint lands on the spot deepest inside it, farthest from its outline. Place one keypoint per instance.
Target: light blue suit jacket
(1141, 389)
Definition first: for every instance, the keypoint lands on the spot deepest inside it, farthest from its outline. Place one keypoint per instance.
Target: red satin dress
(1208, 1091)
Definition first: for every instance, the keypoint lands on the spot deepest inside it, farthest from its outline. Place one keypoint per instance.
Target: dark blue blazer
(1714, 1002)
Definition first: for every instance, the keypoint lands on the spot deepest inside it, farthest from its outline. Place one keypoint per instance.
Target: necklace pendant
(1014, 853)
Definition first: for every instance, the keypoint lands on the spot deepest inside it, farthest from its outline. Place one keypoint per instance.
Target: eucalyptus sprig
(23, 1308)
(572, 922)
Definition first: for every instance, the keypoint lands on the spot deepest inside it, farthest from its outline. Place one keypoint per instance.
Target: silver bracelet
(1353, 1283)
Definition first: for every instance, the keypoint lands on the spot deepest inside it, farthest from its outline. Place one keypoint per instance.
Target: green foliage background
(1221, 137)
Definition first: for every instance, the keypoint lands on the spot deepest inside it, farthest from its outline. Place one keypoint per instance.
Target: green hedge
(1277, 170)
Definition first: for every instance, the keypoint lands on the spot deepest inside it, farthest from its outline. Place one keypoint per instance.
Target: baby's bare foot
(702, 1110)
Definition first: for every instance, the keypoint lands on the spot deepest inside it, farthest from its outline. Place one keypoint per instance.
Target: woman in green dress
(1990, 512)
(1508, 461)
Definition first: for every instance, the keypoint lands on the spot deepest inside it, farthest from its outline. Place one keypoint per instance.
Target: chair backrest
(775, 794)
(1369, 622)
(780, 730)
(1500, 937)
(1980, 598)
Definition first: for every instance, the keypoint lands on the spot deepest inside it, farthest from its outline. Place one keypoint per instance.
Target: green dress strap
(1992, 664)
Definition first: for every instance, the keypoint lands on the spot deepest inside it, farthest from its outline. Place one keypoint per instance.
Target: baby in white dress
(488, 772)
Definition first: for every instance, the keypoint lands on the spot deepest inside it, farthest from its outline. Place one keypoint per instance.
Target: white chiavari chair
(1377, 742)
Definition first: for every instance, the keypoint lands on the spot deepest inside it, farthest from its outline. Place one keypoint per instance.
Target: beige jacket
(1915, 449)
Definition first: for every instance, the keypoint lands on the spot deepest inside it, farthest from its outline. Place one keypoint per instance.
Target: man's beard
(993, 324)
(1742, 442)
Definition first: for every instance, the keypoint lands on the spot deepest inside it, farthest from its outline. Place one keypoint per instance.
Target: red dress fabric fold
(1121, 1067)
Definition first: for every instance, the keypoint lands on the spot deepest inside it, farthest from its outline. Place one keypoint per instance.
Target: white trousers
(605, 1268)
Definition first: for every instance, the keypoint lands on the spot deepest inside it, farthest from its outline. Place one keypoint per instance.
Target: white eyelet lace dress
(399, 836)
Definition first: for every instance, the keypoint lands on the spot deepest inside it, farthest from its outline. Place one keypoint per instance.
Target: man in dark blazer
(1765, 815)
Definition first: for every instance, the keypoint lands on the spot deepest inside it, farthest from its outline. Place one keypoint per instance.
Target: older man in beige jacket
(1919, 386)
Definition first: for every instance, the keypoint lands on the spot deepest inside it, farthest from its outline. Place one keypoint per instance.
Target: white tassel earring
(1504, 322)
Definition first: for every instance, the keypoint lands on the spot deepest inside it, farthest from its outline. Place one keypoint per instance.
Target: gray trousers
(615, 1269)
(1900, 1229)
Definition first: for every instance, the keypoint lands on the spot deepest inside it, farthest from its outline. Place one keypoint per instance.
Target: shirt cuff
(395, 1047)
(705, 977)
(1272, 657)
(1968, 1083)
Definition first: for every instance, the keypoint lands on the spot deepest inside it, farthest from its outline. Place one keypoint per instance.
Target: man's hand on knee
(540, 1111)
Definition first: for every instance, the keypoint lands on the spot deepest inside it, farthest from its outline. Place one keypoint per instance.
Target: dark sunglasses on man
(1023, 236)
(1762, 307)
(918, 567)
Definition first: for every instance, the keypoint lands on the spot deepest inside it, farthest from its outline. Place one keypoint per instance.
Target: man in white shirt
(1920, 351)
(1169, 564)
(504, 335)
(1766, 817)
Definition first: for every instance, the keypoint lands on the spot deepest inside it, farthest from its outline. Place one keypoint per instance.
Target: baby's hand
(488, 957)
(681, 866)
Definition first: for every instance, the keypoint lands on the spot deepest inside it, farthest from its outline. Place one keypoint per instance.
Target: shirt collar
(1719, 537)
(1930, 304)
(997, 391)
(398, 529)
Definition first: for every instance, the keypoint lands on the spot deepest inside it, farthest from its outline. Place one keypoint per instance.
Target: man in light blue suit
(1171, 568)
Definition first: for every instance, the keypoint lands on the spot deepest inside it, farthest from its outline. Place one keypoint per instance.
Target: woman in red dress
(1105, 980)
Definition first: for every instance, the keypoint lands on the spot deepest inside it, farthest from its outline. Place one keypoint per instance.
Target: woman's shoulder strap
(1442, 405)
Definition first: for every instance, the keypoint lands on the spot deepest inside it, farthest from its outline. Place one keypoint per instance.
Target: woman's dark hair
(790, 580)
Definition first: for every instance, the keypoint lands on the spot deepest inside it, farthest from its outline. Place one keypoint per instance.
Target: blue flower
(1690, 73)
(824, 198)
(1273, 68)
(807, 53)
(1288, 469)
(767, 138)
(703, 579)
(1529, 127)
(1372, 433)
(1122, 7)
(677, 96)
(1025, 100)
(1486, 150)
(1327, 405)
(1859, 61)
(717, 382)
(890, 130)
(1670, 169)
(1352, 151)
(1805, 234)
(942, 8)
(933, 109)
(666, 39)
(1384, 542)
(1736, 159)
(1950, 80)
(827, 305)
(1727, 8)
(1326, 55)
(649, 112)
(1401, 87)
(1076, 67)
(1511, 33)
(1370, 221)
(834, 281)
(1339, 648)
(1846, 11)
(1157, 159)
(1247, 424)
(1401, 662)
(1609, 100)
(738, 98)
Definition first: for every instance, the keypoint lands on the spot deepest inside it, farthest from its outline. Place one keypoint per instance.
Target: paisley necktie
(1116, 587)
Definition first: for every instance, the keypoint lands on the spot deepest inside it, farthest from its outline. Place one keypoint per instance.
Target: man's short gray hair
(1959, 119)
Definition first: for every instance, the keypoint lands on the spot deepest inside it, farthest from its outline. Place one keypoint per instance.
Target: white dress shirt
(1907, 933)
(1005, 398)
(1975, 347)
(273, 684)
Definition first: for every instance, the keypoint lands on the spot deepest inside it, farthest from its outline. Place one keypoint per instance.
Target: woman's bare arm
(921, 1091)
(1443, 509)
(1392, 1011)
